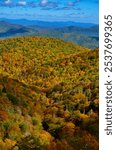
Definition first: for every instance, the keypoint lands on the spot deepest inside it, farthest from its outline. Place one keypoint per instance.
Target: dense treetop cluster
(48, 95)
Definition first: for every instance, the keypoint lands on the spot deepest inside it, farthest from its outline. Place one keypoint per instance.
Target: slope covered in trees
(48, 95)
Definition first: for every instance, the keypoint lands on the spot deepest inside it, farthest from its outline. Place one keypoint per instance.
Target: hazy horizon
(3, 19)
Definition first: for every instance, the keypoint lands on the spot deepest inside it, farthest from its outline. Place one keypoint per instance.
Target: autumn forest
(49, 95)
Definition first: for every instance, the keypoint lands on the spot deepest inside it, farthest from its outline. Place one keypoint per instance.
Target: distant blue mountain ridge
(83, 34)
(50, 24)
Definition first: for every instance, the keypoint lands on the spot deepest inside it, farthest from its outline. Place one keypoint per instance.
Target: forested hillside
(48, 95)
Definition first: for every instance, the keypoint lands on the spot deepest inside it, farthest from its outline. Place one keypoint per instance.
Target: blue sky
(51, 10)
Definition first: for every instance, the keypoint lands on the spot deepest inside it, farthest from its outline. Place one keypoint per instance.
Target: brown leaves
(3, 115)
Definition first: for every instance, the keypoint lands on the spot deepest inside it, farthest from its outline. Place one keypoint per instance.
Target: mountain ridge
(46, 23)
(87, 37)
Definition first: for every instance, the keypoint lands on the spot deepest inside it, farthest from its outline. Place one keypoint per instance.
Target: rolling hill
(83, 36)
(10, 30)
(48, 95)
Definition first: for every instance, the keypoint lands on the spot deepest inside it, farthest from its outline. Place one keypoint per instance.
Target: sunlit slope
(32, 59)
(48, 95)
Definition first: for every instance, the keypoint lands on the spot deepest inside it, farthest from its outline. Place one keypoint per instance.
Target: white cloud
(44, 1)
(7, 2)
(22, 3)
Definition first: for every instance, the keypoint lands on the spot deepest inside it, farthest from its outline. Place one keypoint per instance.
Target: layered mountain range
(86, 35)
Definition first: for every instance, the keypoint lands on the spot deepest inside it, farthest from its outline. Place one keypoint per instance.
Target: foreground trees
(48, 95)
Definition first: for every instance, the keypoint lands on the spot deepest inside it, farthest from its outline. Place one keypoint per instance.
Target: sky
(86, 11)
